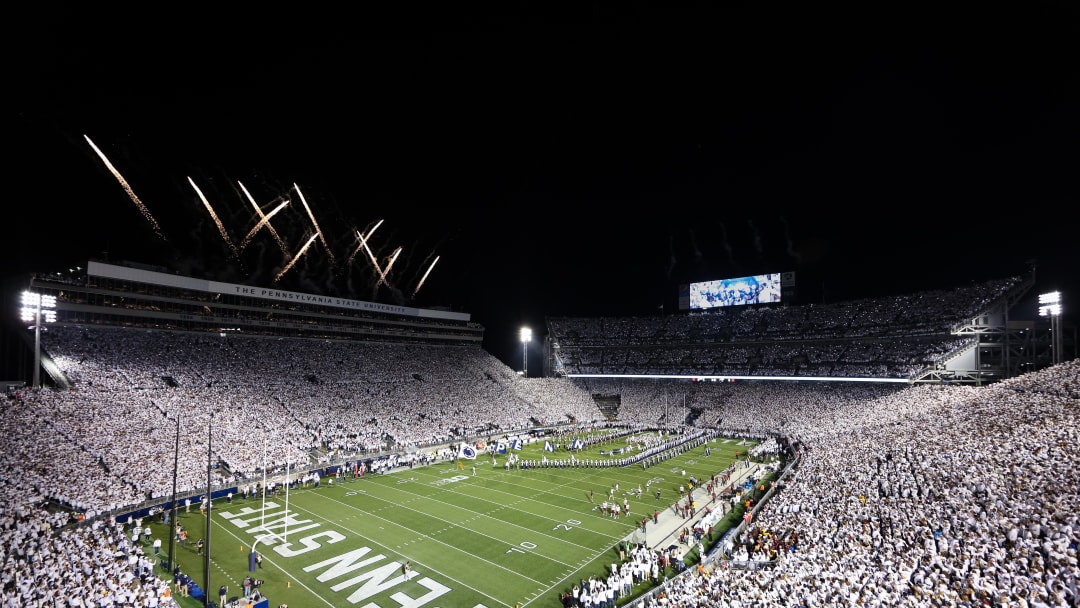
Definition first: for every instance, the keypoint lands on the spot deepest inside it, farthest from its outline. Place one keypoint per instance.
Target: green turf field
(493, 538)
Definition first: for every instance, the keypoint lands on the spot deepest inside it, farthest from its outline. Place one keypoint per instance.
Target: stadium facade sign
(152, 277)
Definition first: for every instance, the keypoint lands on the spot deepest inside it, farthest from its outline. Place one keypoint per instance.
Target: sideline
(671, 524)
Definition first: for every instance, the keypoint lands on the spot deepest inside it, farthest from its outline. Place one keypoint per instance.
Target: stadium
(185, 442)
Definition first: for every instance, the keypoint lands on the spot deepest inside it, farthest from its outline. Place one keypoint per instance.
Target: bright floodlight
(526, 337)
(1050, 304)
(35, 304)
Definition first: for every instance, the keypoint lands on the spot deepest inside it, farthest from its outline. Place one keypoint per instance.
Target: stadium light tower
(526, 337)
(1050, 306)
(34, 306)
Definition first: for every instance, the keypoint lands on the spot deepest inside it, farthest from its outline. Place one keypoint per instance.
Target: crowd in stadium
(930, 495)
(887, 337)
(300, 395)
(927, 496)
(913, 495)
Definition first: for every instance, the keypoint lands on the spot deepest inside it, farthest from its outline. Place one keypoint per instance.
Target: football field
(493, 537)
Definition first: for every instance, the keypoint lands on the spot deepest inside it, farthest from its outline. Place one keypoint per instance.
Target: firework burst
(214, 216)
(127, 188)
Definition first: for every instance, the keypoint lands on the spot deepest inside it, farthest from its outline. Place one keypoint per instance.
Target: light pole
(526, 337)
(172, 510)
(33, 303)
(1050, 306)
(209, 508)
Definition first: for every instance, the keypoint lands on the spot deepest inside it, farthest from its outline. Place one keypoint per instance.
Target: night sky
(557, 162)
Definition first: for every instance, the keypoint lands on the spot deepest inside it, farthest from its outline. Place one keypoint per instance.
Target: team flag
(500, 448)
(515, 444)
(467, 451)
(548, 446)
(577, 444)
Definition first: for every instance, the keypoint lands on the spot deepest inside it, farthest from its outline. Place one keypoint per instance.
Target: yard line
(381, 546)
(430, 538)
(575, 512)
(449, 523)
(537, 481)
(530, 530)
